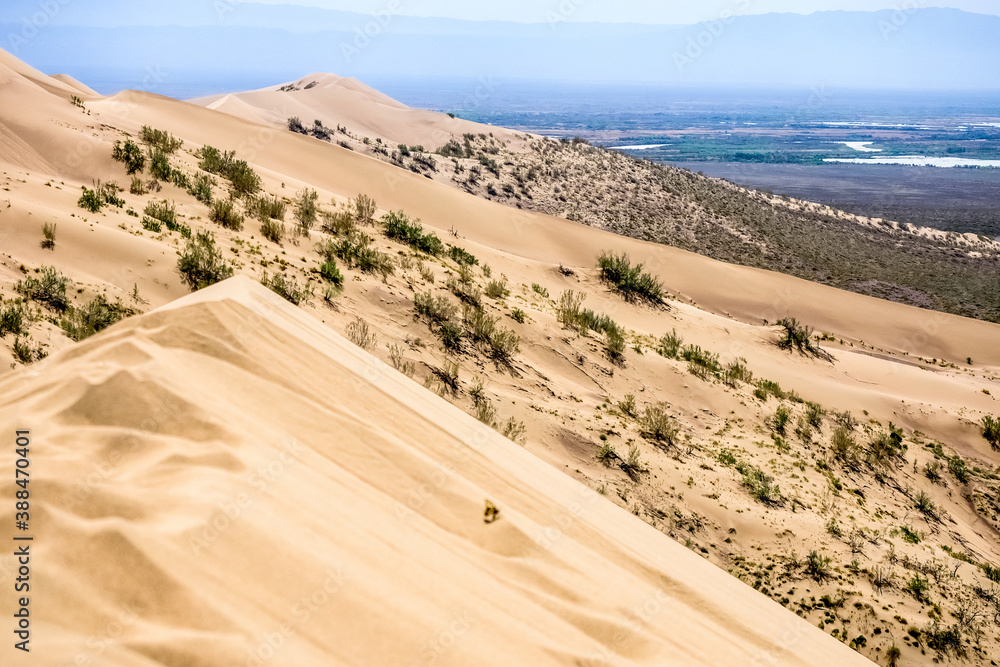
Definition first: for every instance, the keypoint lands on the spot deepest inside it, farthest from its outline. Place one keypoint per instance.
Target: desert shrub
(670, 345)
(163, 211)
(518, 315)
(329, 272)
(803, 431)
(180, 179)
(885, 449)
(918, 587)
(12, 319)
(448, 375)
(497, 289)
(295, 125)
(760, 485)
(833, 528)
(201, 262)
(843, 447)
(702, 363)
(461, 256)
(242, 178)
(138, 186)
(287, 288)
(923, 503)
(108, 193)
(356, 252)
(152, 225)
(364, 210)
(503, 345)
(817, 565)
(614, 344)
(628, 280)
(991, 431)
(97, 315)
(958, 468)
(399, 227)
(340, 223)
(49, 288)
(359, 333)
(159, 165)
(796, 336)
(272, 230)
(480, 325)
(627, 406)
(201, 188)
(160, 140)
(437, 309)
(767, 388)
(736, 372)
(427, 273)
(486, 413)
(464, 287)
(451, 335)
(89, 201)
(513, 430)
(306, 210)
(539, 290)
(568, 308)
(779, 421)
(814, 414)
(223, 212)
(657, 425)
(266, 207)
(24, 353)
(845, 419)
(944, 640)
(633, 465)
(131, 155)
(49, 235)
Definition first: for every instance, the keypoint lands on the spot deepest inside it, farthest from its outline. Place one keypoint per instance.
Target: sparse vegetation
(201, 262)
(356, 252)
(306, 210)
(796, 336)
(130, 154)
(359, 333)
(287, 287)
(89, 201)
(991, 431)
(97, 315)
(160, 140)
(49, 235)
(399, 227)
(630, 281)
(242, 178)
(49, 288)
(658, 425)
(223, 212)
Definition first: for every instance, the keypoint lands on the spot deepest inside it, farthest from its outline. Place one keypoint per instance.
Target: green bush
(779, 422)
(163, 211)
(437, 309)
(737, 372)
(657, 425)
(461, 256)
(201, 262)
(152, 225)
(701, 363)
(796, 336)
(356, 252)
(614, 344)
(539, 290)
(330, 273)
(306, 210)
(991, 431)
(670, 345)
(223, 212)
(817, 565)
(844, 448)
(160, 140)
(242, 178)
(89, 201)
(918, 587)
(497, 289)
(451, 335)
(287, 288)
(518, 315)
(398, 227)
(628, 280)
(49, 288)
(339, 223)
(885, 449)
(267, 207)
(272, 230)
(131, 155)
(504, 344)
(159, 165)
(760, 485)
(12, 319)
(201, 188)
(95, 316)
(364, 210)
(49, 235)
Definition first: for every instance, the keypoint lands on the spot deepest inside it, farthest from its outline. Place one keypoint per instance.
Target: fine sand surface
(206, 469)
(270, 484)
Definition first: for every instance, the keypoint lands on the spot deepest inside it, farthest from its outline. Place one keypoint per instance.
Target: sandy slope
(160, 424)
(255, 462)
(348, 102)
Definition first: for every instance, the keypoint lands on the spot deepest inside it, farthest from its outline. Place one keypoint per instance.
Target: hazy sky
(635, 11)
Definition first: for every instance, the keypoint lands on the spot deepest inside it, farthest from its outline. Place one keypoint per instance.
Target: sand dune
(149, 433)
(268, 483)
(347, 102)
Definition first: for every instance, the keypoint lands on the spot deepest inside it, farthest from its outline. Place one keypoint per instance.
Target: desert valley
(311, 377)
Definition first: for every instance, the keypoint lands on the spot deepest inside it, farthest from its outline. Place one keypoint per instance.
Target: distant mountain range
(916, 49)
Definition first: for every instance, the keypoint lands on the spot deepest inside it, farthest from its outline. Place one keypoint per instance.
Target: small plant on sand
(164, 211)
(497, 289)
(329, 272)
(736, 372)
(461, 256)
(629, 281)
(223, 212)
(306, 210)
(844, 448)
(89, 201)
(160, 140)
(991, 431)
(49, 236)
(130, 154)
(201, 262)
(627, 406)
(657, 425)
(287, 288)
(272, 230)
(780, 419)
(796, 336)
(633, 464)
(49, 288)
(97, 315)
(399, 227)
(817, 565)
(201, 188)
(359, 333)
(13, 319)
(760, 485)
(364, 210)
(670, 345)
(614, 345)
